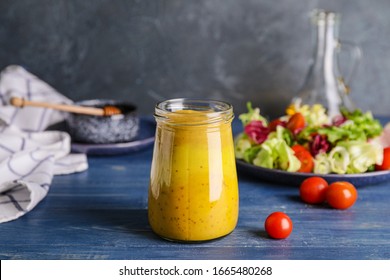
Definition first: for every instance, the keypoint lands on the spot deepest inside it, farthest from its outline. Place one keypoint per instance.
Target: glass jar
(324, 83)
(193, 192)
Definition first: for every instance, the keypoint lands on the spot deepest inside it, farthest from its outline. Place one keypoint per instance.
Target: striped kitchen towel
(29, 155)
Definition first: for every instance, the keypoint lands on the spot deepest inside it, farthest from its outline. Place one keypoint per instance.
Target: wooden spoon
(108, 110)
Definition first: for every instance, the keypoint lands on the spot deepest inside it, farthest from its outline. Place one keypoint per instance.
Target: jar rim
(213, 110)
(321, 17)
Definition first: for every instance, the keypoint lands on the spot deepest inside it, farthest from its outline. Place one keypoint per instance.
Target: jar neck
(325, 27)
(193, 112)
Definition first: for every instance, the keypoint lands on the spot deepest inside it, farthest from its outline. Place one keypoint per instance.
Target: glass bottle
(324, 84)
(193, 192)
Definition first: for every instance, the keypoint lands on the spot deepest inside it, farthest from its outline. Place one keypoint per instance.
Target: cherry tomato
(296, 122)
(341, 195)
(313, 190)
(273, 124)
(278, 225)
(304, 156)
(386, 160)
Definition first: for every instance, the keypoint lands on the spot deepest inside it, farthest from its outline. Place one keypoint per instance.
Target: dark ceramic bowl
(104, 129)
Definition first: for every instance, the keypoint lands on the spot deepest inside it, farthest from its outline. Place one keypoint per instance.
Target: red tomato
(313, 190)
(273, 124)
(278, 225)
(296, 122)
(341, 195)
(386, 160)
(304, 156)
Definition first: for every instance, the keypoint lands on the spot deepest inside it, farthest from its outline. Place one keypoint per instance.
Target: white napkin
(30, 156)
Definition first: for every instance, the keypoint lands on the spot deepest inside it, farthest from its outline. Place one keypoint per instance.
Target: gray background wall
(145, 51)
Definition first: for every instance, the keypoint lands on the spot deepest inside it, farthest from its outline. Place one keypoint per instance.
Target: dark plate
(144, 140)
(295, 178)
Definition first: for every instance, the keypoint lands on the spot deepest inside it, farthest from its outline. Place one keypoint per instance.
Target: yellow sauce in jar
(193, 193)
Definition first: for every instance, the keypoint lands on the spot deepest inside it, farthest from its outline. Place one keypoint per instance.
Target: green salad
(307, 140)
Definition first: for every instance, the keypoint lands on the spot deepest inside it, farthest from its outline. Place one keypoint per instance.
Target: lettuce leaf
(275, 153)
(241, 144)
(363, 122)
(284, 134)
(251, 153)
(349, 157)
(322, 164)
(253, 114)
(339, 160)
(362, 155)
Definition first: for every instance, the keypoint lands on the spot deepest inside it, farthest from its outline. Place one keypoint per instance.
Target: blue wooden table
(102, 214)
